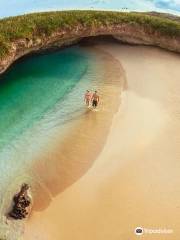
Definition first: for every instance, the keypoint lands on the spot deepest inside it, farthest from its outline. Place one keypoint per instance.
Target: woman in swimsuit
(87, 98)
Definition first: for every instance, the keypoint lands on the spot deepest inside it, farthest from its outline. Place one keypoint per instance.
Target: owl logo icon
(139, 231)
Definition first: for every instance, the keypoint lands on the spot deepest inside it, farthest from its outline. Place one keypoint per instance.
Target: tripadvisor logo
(139, 231)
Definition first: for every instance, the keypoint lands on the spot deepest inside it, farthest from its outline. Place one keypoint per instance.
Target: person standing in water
(87, 98)
(95, 99)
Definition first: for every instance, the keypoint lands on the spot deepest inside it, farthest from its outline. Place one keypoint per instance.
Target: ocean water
(47, 133)
(35, 85)
(37, 95)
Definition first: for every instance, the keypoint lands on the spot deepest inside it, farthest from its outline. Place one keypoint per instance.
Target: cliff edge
(33, 32)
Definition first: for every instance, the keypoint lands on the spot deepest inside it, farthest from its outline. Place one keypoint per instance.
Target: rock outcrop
(132, 33)
(21, 203)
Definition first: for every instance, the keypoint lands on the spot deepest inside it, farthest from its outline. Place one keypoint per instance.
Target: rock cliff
(129, 32)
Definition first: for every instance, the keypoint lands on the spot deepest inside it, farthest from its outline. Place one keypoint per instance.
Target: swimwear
(94, 103)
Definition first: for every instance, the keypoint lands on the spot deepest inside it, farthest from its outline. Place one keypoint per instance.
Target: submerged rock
(21, 203)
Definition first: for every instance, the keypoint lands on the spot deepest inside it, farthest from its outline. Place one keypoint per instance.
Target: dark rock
(22, 203)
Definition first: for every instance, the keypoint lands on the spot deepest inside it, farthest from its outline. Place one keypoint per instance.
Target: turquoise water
(39, 95)
(41, 106)
(32, 87)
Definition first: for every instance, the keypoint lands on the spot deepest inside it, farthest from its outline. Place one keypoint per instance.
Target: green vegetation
(34, 25)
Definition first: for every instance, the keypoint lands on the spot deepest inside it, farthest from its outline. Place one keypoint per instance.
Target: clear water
(38, 94)
(34, 86)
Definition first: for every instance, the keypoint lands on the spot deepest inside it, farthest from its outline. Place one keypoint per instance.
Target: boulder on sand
(21, 203)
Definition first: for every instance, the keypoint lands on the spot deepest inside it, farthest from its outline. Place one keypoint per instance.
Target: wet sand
(64, 160)
(135, 179)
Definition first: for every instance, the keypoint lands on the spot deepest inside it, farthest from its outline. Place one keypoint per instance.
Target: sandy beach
(134, 179)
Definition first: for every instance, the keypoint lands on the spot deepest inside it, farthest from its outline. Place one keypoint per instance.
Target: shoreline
(85, 138)
(65, 170)
(134, 180)
(70, 167)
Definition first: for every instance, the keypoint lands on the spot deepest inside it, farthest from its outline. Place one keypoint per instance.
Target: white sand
(136, 179)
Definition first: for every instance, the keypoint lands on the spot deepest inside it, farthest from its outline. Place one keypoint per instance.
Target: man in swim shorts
(95, 99)
(87, 98)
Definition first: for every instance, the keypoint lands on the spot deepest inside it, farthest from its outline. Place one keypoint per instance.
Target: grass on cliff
(34, 25)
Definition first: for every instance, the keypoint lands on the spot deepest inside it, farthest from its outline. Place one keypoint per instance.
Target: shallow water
(45, 128)
(37, 94)
(34, 86)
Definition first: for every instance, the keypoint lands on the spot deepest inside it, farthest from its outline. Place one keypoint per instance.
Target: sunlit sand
(134, 181)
